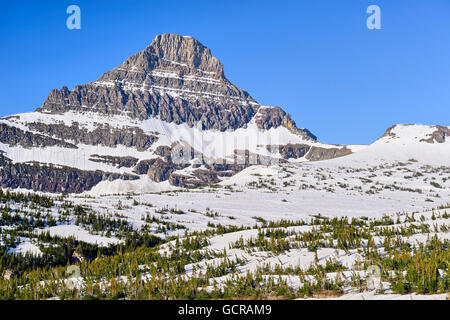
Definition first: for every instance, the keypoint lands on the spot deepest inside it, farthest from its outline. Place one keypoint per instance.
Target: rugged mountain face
(167, 113)
(175, 79)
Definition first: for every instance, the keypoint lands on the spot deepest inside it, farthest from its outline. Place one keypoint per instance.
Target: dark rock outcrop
(160, 170)
(165, 152)
(274, 117)
(143, 166)
(119, 162)
(102, 135)
(439, 136)
(50, 178)
(13, 136)
(291, 151)
(318, 153)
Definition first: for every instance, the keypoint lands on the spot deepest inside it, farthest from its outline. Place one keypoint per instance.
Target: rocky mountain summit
(166, 116)
(175, 79)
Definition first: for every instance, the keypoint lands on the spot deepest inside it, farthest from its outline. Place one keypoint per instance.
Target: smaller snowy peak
(409, 133)
(424, 144)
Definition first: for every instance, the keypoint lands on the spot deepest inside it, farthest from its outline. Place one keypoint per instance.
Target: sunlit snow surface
(399, 173)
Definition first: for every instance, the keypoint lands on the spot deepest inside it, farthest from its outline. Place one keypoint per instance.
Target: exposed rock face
(119, 162)
(312, 153)
(292, 151)
(198, 178)
(206, 176)
(143, 166)
(439, 136)
(226, 169)
(273, 117)
(317, 153)
(165, 152)
(160, 170)
(51, 178)
(102, 135)
(13, 136)
(389, 132)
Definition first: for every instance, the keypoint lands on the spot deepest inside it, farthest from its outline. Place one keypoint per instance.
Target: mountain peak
(175, 79)
(178, 53)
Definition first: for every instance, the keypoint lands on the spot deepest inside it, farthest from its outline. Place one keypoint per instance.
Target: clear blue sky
(314, 58)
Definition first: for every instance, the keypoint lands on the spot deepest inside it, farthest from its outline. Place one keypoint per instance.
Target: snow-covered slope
(425, 144)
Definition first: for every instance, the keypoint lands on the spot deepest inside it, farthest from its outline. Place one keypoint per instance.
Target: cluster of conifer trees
(139, 268)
